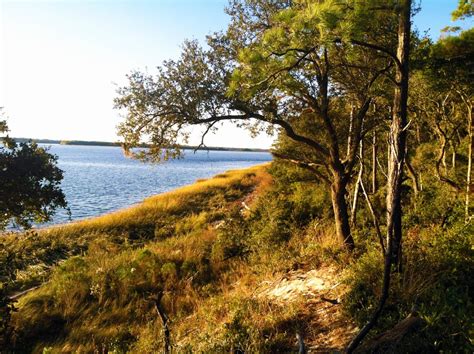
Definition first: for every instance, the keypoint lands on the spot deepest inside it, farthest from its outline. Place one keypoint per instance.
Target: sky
(61, 61)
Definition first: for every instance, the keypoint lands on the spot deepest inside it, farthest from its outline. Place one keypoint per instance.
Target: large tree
(309, 68)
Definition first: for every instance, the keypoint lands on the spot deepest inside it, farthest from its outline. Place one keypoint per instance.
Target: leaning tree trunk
(341, 216)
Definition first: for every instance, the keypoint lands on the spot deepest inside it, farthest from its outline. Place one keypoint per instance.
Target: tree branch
(306, 165)
(378, 48)
(286, 68)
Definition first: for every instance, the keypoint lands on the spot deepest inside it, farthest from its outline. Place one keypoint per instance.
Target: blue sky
(61, 59)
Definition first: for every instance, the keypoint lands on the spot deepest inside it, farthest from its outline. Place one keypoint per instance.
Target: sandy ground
(321, 289)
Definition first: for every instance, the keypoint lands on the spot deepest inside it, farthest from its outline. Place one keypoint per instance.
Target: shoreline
(178, 190)
(117, 144)
(155, 219)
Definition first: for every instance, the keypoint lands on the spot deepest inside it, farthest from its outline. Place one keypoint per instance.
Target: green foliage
(29, 192)
(29, 183)
(436, 281)
(449, 63)
(232, 238)
(293, 202)
(435, 206)
(464, 10)
(6, 309)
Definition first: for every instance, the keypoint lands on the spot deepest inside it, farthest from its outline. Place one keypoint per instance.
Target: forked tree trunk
(341, 216)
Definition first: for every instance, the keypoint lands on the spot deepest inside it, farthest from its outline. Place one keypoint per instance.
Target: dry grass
(158, 217)
(101, 299)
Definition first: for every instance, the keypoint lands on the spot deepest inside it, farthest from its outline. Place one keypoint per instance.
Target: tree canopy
(29, 183)
(464, 10)
(308, 69)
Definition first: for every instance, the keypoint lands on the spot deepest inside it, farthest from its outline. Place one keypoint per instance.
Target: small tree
(29, 183)
(29, 192)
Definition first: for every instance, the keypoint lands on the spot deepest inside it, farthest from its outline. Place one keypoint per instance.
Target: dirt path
(322, 290)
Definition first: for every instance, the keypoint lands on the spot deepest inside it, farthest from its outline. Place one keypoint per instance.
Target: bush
(437, 280)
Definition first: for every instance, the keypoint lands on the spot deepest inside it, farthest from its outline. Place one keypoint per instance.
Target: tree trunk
(413, 176)
(453, 158)
(374, 217)
(396, 159)
(442, 152)
(341, 217)
(398, 136)
(349, 135)
(357, 184)
(356, 199)
(469, 162)
(374, 164)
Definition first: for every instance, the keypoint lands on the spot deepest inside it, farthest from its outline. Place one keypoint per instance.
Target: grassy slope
(30, 255)
(166, 245)
(235, 279)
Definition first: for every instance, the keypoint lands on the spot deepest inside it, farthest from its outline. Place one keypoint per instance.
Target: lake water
(100, 179)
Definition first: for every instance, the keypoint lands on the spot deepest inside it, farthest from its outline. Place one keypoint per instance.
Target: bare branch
(208, 129)
(311, 166)
(378, 48)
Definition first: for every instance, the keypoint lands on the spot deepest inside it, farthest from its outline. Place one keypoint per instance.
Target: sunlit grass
(161, 246)
(157, 217)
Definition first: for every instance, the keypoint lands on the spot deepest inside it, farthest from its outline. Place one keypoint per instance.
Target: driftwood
(389, 341)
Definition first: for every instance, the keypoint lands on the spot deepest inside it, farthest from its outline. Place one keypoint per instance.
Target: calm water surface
(100, 179)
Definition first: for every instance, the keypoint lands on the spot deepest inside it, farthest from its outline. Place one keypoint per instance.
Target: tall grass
(204, 258)
(26, 258)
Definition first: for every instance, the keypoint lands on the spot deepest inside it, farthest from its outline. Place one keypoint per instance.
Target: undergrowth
(205, 251)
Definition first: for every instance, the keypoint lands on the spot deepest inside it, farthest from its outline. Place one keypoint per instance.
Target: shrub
(437, 280)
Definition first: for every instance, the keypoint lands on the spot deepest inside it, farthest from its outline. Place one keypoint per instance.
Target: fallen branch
(165, 322)
(331, 301)
(23, 293)
(388, 341)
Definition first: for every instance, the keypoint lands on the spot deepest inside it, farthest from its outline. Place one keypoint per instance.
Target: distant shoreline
(107, 143)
